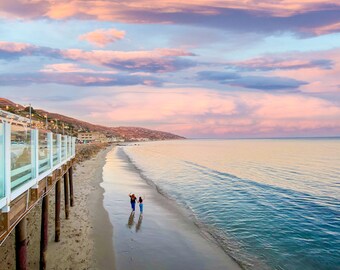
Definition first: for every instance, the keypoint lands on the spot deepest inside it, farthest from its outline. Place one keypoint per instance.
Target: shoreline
(209, 233)
(164, 237)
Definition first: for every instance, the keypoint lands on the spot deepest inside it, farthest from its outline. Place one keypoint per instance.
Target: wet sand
(164, 237)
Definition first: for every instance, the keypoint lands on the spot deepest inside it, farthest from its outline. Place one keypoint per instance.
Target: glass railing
(73, 146)
(63, 147)
(22, 156)
(69, 150)
(2, 164)
(27, 156)
(44, 152)
(55, 147)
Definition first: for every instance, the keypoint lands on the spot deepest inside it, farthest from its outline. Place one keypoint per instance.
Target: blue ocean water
(271, 204)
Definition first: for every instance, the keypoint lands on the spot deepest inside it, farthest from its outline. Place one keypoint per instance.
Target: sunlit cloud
(217, 114)
(103, 37)
(266, 16)
(78, 79)
(158, 60)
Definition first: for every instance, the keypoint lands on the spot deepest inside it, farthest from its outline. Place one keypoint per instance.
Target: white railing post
(69, 146)
(73, 146)
(66, 147)
(35, 147)
(50, 148)
(7, 156)
(59, 148)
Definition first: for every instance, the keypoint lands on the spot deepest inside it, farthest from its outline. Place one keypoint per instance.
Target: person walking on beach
(140, 201)
(133, 199)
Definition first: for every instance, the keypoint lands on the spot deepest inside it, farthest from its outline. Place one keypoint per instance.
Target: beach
(85, 239)
(165, 238)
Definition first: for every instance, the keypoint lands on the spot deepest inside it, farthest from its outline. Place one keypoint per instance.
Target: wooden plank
(59, 172)
(18, 208)
(42, 187)
(4, 223)
(33, 196)
(50, 180)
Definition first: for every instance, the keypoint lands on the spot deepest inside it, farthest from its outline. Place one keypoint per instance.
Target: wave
(262, 223)
(231, 247)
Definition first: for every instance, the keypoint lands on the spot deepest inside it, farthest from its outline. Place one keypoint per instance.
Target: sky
(199, 68)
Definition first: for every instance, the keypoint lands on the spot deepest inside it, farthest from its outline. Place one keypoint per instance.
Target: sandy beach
(85, 237)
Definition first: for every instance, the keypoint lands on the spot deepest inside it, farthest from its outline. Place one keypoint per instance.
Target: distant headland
(57, 123)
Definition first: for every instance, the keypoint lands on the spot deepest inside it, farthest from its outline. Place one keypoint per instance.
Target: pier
(33, 163)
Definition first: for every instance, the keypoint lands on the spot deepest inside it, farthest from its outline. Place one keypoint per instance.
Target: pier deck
(32, 163)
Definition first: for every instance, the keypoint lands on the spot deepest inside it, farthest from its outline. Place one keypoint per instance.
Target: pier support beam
(70, 172)
(21, 245)
(66, 194)
(57, 211)
(44, 233)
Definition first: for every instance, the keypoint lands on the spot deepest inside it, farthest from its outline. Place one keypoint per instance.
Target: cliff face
(74, 125)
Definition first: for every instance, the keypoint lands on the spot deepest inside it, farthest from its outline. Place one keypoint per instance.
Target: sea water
(271, 204)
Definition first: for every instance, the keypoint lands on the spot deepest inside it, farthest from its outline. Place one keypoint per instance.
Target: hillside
(58, 122)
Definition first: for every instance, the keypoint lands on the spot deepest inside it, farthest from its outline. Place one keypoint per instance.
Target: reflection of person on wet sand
(139, 223)
(131, 220)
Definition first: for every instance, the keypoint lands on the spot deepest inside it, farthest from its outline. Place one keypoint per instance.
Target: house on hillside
(91, 137)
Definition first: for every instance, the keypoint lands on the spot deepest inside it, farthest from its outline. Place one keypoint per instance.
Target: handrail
(11, 117)
(58, 150)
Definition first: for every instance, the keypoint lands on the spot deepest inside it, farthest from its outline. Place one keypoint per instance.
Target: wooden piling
(66, 195)
(57, 211)
(21, 245)
(70, 171)
(44, 233)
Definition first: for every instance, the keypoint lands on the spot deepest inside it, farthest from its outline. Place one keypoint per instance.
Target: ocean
(270, 204)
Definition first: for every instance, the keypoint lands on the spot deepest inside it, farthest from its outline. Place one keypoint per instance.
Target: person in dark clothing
(133, 199)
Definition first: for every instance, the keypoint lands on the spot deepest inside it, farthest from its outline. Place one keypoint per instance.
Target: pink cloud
(204, 113)
(244, 14)
(15, 47)
(73, 68)
(157, 60)
(108, 10)
(103, 37)
(326, 29)
(320, 80)
(289, 107)
(65, 68)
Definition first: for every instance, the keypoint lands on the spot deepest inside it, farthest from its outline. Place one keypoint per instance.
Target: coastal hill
(58, 122)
